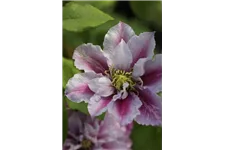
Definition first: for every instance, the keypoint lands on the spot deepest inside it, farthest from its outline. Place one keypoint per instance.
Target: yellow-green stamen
(119, 77)
(86, 144)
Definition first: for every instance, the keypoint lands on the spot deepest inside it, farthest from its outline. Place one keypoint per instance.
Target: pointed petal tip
(122, 42)
(120, 21)
(119, 31)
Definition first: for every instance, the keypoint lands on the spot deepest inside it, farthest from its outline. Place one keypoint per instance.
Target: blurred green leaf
(160, 94)
(100, 4)
(101, 117)
(76, 106)
(150, 11)
(79, 17)
(68, 70)
(146, 137)
(73, 39)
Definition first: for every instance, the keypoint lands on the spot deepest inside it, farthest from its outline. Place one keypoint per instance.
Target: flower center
(119, 77)
(86, 144)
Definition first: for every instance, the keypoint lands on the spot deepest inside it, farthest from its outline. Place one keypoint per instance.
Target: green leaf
(150, 11)
(101, 117)
(76, 106)
(79, 17)
(160, 94)
(71, 40)
(68, 70)
(100, 4)
(146, 137)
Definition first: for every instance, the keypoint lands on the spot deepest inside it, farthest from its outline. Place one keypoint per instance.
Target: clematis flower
(86, 133)
(123, 79)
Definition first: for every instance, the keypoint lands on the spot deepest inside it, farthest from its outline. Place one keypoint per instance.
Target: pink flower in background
(85, 133)
(124, 78)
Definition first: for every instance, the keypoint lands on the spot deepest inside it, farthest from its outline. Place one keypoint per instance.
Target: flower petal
(97, 105)
(125, 110)
(119, 32)
(142, 46)
(77, 89)
(75, 129)
(89, 57)
(101, 86)
(150, 72)
(117, 138)
(75, 122)
(129, 128)
(90, 131)
(151, 109)
(69, 144)
(120, 57)
(110, 124)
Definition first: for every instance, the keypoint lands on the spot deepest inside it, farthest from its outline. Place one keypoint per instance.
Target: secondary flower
(85, 133)
(124, 78)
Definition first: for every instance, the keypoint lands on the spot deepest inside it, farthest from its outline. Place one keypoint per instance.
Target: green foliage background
(88, 22)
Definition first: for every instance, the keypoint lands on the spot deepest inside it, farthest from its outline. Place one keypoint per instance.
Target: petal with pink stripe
(97, 105)
(142, 46)
(89, 57)
(120, 57)
(119, 32)
(125, 110)
(77, 89)
(151, 109)
(150, 72)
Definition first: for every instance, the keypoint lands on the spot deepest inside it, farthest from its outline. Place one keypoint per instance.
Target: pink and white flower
(86, 133)
(123, 79)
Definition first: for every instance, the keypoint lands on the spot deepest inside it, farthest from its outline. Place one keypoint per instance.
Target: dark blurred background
(122, 10)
